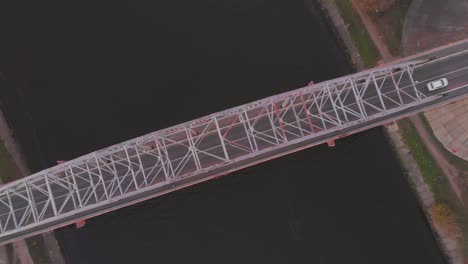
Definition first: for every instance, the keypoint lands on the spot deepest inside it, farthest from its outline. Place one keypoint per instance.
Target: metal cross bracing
(164, 157)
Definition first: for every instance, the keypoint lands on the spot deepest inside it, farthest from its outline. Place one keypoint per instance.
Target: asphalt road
(114, 178)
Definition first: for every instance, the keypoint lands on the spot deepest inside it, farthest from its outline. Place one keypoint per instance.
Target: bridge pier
(80, 223)
(392, 126)
(331, 143)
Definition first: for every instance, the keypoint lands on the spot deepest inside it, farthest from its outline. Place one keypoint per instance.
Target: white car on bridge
(437, 84)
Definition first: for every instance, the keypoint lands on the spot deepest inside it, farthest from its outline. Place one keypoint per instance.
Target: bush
(446, 219)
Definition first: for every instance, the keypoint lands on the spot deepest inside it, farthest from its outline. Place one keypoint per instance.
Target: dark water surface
(81, 75)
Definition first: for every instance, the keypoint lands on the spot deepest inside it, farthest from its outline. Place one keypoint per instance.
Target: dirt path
(447, 168)
(373, 33)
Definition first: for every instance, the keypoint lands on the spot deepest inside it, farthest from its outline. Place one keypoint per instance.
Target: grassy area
(38, 250)
(432, 174)
(361, 37)
(434, 177)
(8, 170)
(462, 165)
(390, 24)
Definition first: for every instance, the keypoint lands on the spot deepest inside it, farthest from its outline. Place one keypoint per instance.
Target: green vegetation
(426, 163)
(446, 219)
(361, 37)
(390, 24)
(38, 250)
(8, 170)
(462, 165)
(447, 206)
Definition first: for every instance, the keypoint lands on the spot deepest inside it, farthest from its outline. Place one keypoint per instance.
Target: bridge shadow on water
(81, 75)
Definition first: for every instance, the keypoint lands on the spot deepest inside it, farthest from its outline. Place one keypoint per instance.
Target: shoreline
(450, 248)
(338, 27)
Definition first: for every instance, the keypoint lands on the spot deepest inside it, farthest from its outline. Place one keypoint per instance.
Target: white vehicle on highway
(437, 84)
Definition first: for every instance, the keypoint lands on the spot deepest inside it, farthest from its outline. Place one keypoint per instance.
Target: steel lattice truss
(164, 157)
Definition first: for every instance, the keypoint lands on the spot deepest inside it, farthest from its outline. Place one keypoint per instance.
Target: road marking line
(457, 88)
(451, 55)
(442, 58)
(431, 51)
(432, 78)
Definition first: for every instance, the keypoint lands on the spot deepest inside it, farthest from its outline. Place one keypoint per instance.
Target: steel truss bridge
(182, 155)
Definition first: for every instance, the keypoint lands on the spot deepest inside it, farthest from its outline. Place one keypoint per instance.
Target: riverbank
(410, 150)
(39, 249)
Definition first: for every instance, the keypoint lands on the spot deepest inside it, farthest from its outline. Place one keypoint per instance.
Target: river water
(81, 75)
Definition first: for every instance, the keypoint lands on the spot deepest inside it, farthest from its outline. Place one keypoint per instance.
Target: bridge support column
(219, 176)
(392, 126)
(80, 223)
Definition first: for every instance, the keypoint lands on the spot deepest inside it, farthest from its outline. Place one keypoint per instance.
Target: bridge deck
(165, 160)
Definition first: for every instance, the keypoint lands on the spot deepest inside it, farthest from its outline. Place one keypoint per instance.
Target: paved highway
(168, 160)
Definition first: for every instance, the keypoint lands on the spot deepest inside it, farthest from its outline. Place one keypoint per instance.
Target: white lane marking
(447, 73)
(419, 55)
(450, 55)
(442, 58)
(457, 88)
